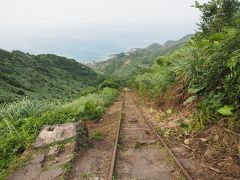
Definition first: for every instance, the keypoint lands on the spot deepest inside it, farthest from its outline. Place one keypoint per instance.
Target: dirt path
(188, 154)
(94, 162)
(140, 156)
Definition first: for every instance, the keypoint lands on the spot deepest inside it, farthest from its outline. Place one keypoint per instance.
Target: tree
(216, 14)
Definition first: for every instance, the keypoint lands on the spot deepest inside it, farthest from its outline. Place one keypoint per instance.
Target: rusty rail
(111, 172)
(184, 171)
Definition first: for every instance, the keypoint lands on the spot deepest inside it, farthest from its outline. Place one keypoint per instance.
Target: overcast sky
(35, 19)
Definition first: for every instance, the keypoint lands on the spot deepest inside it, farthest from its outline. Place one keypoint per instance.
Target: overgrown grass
(26, 108)
(21, 122)
(208, 67)
(97, 135)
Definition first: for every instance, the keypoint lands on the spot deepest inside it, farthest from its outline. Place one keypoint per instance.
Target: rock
(60, 132)
(71, 147)
(82, 137)
(64, 160)
(33, 171)
(18, 174)
(187, 141)
(40, 158)
(36, 169)
(30, 172)
(185, 163)
(51, 173)
(216, 137)
(209, 153)
(54, 151)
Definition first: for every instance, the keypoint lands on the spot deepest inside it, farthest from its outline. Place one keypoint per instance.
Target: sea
(93, 44)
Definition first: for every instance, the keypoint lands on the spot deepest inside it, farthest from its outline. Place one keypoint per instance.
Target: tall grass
(154, 82)
(26, 108)
(208, 67)
(21, 122)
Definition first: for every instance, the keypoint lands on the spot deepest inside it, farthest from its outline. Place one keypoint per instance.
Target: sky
(60, 26)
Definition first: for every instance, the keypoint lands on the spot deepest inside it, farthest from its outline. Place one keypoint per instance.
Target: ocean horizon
(93, 44)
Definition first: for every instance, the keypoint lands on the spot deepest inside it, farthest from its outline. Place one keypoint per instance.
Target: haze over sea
(93, 43)
(92, 30)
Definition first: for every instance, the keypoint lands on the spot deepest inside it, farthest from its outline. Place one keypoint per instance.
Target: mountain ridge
(126, 64)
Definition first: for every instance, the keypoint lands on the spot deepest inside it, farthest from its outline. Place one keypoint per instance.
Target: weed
(208, 67)
(232, 122)
(85, 175)
(114, 178)
(180, 176)
(120, 147)
(68, 167)
(21, 122)
(97, 135)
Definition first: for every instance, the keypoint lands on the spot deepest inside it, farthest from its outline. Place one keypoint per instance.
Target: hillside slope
(125, 65)
(196, 90)
(42, 76)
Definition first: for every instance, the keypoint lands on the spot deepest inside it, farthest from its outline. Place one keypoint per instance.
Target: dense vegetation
(42, 76)
(44, 89)
(125, 65)
(207, 67)
(20, 122)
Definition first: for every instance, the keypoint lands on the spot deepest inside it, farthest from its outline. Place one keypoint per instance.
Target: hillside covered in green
(125, 65)
(20, 122)
(42, 76)
(199, 74)
(205, 71)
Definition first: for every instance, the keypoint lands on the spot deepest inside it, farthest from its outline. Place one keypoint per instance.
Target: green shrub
(21, 122)
(109, 83)
(92, 111)
(97, 135)
(208, 66)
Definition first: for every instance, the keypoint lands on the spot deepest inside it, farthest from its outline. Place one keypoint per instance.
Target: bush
(92, 111)
(208, 66)
(109, 83)
(21, 122)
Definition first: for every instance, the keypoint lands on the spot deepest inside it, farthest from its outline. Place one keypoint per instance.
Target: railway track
(139, 151)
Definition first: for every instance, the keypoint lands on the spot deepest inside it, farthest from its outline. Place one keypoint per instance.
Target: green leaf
(226, 110)
(232, 62)
(217, 36)
(195, 90)
(190, 99)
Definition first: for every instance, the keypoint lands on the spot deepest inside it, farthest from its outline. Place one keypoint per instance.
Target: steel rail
(111, 172)
(184, 171)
